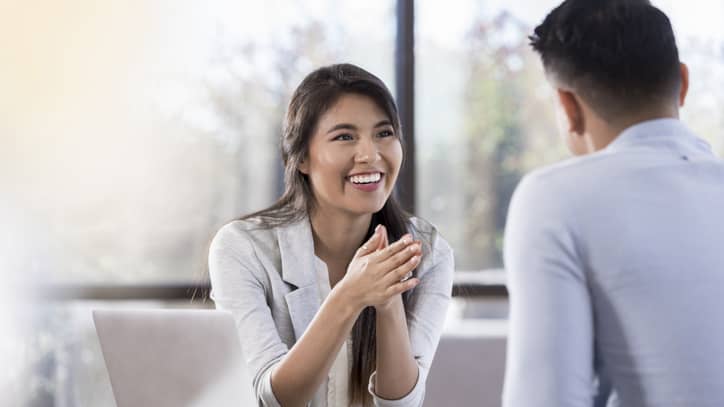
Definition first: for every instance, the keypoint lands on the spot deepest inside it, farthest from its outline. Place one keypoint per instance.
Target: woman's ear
(303, 166)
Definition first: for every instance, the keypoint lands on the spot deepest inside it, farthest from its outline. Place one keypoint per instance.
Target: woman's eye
(386, 133)
(344, 136)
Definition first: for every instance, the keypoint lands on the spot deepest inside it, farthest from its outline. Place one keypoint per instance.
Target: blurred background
(131, 131)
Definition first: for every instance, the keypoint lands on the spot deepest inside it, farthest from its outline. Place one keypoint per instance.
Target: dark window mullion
(405, 95)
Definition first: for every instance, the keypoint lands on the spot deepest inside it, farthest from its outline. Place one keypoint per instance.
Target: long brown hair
(312, 98)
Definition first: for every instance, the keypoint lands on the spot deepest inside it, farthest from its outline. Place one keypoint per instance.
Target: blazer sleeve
(426, 309)
(237, 286)
(550, 339)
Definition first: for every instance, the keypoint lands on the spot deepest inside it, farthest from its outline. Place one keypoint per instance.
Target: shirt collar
(659, 133)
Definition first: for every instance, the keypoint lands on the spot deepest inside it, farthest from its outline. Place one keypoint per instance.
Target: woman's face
(354, 157)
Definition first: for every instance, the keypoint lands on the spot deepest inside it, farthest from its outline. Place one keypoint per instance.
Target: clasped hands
(379, 272)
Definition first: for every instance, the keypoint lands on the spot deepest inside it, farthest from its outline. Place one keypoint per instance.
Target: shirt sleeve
(236, 282)
(550, 342)
(426, 309)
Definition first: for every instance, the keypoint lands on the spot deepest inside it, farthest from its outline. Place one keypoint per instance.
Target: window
(485, 113)
(142, 128)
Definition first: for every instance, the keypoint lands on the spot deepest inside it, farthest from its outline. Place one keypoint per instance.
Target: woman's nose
(366, 151)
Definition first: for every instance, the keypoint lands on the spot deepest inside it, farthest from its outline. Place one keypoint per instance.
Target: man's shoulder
(552, 180)
(570, 170)
(565, 187)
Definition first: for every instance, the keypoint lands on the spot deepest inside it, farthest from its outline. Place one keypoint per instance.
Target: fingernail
(377, 228)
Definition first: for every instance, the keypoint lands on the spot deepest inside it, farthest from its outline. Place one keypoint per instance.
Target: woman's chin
(365, 208)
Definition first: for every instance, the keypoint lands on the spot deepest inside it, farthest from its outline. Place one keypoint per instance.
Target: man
(616, 257)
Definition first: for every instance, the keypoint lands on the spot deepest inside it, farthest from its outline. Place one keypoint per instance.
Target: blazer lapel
(296, 248)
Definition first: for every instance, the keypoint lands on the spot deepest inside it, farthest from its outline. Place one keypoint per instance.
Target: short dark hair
(620, 56)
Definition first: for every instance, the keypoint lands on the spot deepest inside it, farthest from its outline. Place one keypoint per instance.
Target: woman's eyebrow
(348, 126)
(341, 126)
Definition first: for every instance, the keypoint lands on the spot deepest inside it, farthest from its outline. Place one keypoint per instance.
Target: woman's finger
(394, 248)
(370, 245)
(403, 271)
(399, 258)
(403, 286)
(383, 234)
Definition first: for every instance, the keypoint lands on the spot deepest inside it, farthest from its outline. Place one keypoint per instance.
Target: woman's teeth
(365, 179)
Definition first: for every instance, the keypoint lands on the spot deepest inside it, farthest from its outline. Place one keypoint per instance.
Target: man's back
(616, 265)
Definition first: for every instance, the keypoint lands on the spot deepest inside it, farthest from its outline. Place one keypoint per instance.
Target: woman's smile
(368, 182)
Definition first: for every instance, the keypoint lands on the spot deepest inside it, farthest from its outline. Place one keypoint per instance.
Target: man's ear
(573, 111)
(684, 83)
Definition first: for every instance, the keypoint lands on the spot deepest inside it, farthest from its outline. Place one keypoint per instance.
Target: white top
(337, 383)
(616, 269)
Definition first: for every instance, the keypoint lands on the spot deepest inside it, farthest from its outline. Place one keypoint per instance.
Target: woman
(329, 311)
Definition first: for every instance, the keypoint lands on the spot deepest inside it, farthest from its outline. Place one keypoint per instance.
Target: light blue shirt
(616, 276)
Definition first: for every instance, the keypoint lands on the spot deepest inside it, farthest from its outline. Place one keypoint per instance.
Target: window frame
(487, 283)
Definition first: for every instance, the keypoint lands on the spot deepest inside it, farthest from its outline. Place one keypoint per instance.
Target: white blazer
(266, 278)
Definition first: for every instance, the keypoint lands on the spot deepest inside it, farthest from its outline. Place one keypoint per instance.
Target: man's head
(614, 63)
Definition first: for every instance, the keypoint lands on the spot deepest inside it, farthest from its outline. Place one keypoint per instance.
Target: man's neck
(601, 133)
